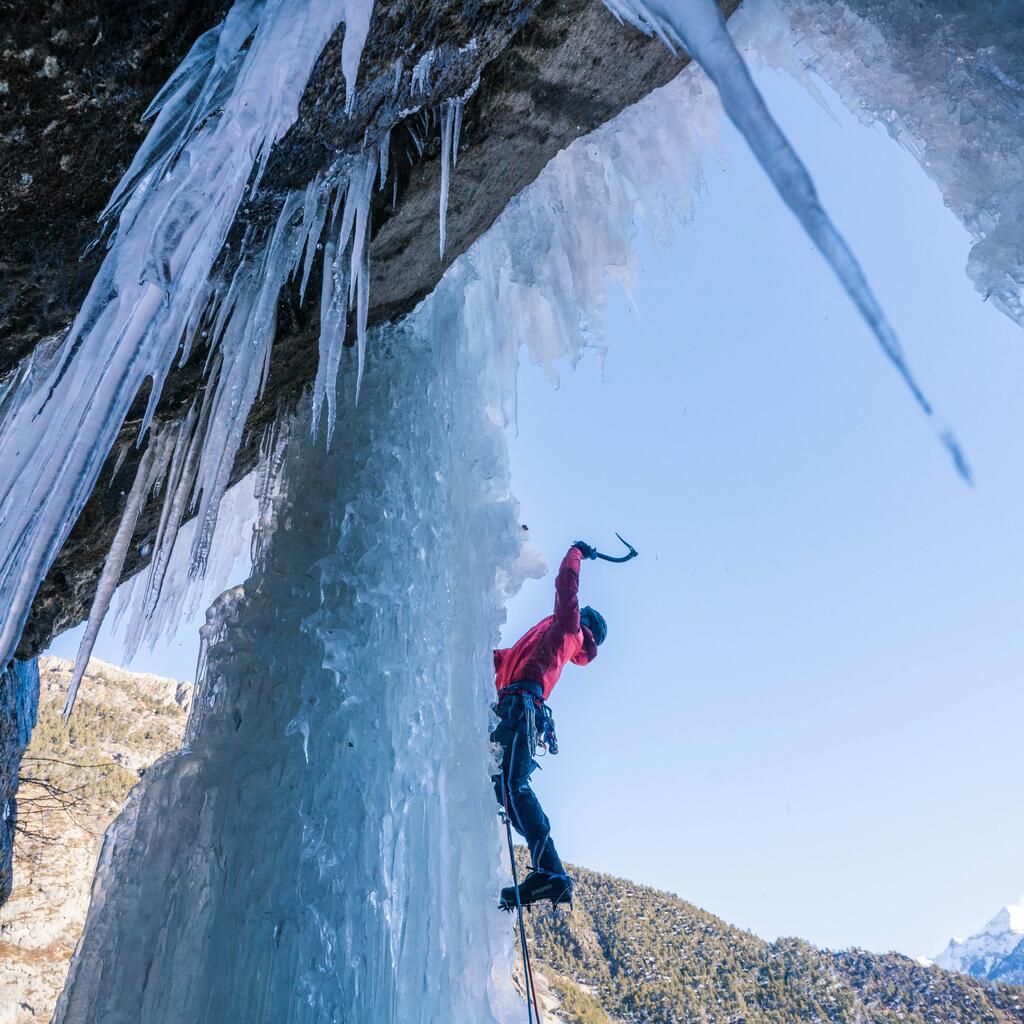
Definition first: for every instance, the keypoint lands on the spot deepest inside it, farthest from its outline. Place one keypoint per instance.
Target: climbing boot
(537, 886)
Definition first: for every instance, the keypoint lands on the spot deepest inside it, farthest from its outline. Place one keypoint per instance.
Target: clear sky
(808, 715)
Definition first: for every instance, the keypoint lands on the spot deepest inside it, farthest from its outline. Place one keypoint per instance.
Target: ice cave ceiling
(78, 78)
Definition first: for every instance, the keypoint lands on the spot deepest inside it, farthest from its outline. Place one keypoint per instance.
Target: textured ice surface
(326, 848)
(946, 80)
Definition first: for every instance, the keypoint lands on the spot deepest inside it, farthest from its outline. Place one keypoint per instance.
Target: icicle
(699, 26)
(421, 73)
(122, 454)
(383, 155)
(314, 213)
(345, 286)
(451, 113)
(248, 335)
(150, 468)
(362, 312)
(333, 304)
(457, 132)
(180, 478)
(357, 27)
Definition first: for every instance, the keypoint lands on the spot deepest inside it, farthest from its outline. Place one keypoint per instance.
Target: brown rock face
(75, 79)
(75, 783)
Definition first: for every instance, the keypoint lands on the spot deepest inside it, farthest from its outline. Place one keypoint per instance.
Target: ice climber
(525, 675)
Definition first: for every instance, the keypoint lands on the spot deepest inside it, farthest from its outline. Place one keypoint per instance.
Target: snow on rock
(996, 952)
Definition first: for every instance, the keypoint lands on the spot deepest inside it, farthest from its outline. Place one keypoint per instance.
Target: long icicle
(451, 110)
(151, 465)
(699, 26)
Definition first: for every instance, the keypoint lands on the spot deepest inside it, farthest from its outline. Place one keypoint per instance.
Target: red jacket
(541, 654)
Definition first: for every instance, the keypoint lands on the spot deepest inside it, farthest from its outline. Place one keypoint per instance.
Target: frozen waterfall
(325, 848)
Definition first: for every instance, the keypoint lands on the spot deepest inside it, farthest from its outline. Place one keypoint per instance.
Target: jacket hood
(589, 650)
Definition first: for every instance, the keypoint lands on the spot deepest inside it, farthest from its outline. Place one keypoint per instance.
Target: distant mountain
(996, 952)
(629, 953)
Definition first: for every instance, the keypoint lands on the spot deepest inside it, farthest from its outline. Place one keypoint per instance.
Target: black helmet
(594, 621)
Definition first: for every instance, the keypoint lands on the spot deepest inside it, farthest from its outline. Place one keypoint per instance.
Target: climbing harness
(632, 553)
(532, 1006)
(542, 736)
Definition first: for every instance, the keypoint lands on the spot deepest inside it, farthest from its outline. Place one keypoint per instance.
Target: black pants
(513, 783)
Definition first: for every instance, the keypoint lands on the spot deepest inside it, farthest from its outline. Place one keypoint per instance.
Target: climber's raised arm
(567, 586)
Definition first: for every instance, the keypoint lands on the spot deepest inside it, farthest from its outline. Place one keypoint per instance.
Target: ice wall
(946, 80)
(271, 871)
(326, 848)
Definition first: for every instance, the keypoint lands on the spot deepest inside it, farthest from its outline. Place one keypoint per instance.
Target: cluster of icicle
(946, 80)
(216, 120)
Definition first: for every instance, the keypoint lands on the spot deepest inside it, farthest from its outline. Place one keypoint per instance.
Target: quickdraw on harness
(530, 693)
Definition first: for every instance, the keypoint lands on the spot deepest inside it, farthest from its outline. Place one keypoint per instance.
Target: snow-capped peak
(1009, 919)
(984, 953)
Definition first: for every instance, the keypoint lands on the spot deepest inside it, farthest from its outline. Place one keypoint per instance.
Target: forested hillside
(630, 953)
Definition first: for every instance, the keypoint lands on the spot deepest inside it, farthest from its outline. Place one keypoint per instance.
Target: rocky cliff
(74, 781)
(75, 80)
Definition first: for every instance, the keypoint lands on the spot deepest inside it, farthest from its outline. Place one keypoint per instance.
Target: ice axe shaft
(632, 553)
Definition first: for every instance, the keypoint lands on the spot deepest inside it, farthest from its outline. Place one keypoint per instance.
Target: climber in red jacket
(525, 675)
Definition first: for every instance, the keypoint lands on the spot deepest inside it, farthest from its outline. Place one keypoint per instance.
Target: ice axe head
(632, 552)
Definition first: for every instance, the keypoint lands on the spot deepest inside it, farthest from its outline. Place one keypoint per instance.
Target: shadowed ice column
(326, 848)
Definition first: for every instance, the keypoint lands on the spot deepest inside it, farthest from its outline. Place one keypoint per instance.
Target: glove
(585, 549)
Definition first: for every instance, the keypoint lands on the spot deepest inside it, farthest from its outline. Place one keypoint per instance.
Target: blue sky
(808, 714)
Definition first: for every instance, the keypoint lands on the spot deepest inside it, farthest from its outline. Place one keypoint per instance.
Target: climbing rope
(532, 1006)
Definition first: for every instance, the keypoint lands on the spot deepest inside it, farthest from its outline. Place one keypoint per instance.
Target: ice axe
(632, 553)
